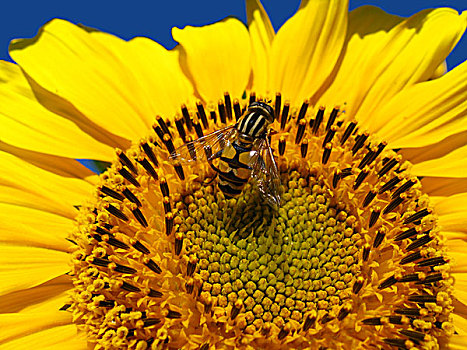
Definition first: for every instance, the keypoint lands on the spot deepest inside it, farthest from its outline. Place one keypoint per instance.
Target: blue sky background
(154, 19)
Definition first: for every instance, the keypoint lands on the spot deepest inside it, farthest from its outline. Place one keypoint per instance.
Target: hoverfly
(242, 151)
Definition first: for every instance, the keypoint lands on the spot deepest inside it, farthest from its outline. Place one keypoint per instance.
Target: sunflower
(366, 250)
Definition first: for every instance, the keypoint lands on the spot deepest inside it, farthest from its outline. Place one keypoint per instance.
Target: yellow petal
(70, 62)
(460, 324)
(59, 338)
(160, 85)
(34, 228)
(452, 164)
(261, 36)
(28, 124)
(425, 113)
(216, 57)
(386, 55)
(306, 49)
(458, 342)
(444, 186)
(451, 213)
(23, 184)
(24, 267)
(460, 287)
(51, 295)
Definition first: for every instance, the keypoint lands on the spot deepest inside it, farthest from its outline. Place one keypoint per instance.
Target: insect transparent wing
(266, 175)
(204, 148)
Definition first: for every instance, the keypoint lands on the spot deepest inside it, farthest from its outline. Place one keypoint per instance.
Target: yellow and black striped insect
(241, 151)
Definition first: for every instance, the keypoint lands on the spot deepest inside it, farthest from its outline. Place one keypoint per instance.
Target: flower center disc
(352, 258)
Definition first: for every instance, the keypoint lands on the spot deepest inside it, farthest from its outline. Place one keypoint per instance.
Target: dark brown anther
(111, 193)
(326, 153)
(403, 188)
(169, 223)
(179, 170)
(414, 335)
(359, 142)
(277, 106)
(388, 282)
(252, 97)
(180, 128)
(236, 308)
(360, 178)
(158, 131)
(390, 184)
(213, 116)
(178, 243)
(318, 120)
(326, 318)
(369, 198)
(173, 314)
(228, 105)
(406, 234)
(151, 264)
(387, 166)
(343, 313)
(419, 242)
(129, 287)
(186, 116)
(168, 143)
(282, 145)
(198, 129)
(335, 178)
(202, 114)
(237, 109)
(101, 262)
(329, 135)
(191, 267)
(163, 125)
(139, 216)
(348, 131)
(302, 112)
(309, 321)
(164, 187)
(366, 252)
(148, 322)
(65, 307)
(378, 239)
(414, 312)
(358, 284)
(300, 131)
(124, 269)
(130, 178)
(417, 216)
(374, 321)
(126, 161)
(148, 150)
(346, 172)
(148, 167)
(394, 204)
(411, 258)
(332, 118)
(285, 114)
(422, 298)
(131, 197)
(396, 342)
(282, 334)
(102, 231)
(304, 148)
(380, 148)
(115, 212)
(373, 218)
(140, 247)
(166, 203)
(436, 261)
(411, 277)
(432, 278)
(395, 319)
(221, 109)
(204, 346)
(107, 303)
(115, 242)
(189, 285)
(366, 160)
